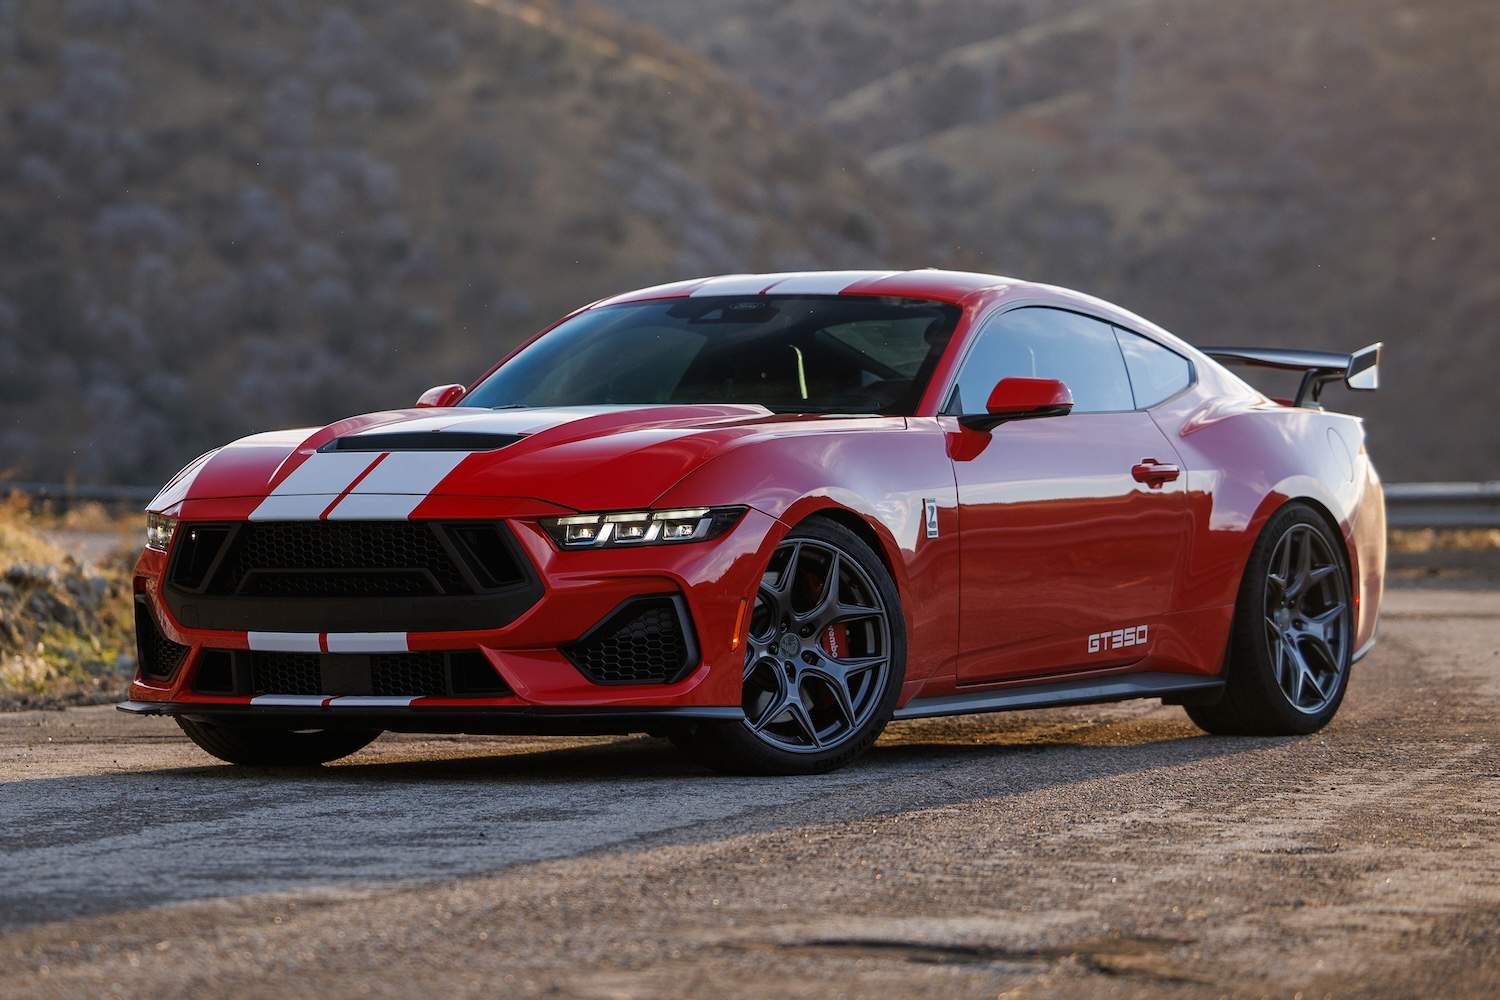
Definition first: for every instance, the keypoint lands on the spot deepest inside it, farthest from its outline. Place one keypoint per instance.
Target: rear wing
(1360, 370)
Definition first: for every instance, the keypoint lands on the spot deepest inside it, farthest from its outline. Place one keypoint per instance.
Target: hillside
(1308, 172)
(220, 216)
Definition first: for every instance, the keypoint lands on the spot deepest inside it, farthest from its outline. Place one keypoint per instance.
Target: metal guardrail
(1442, 505)
(66, 494)
(1407, 505)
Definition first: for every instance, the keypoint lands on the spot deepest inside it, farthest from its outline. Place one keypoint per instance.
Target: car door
(1071, 526)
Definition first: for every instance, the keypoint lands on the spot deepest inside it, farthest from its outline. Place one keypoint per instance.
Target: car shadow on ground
(105, 843)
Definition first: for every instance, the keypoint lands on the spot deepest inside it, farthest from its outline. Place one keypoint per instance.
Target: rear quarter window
(1156, 373)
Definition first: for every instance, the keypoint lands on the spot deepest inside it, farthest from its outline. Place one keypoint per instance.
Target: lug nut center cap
(789, 646)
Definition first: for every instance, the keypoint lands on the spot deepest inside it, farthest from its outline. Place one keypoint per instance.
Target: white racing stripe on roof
(735, 284)
(367, 642)
(285, 642)
(823, 282)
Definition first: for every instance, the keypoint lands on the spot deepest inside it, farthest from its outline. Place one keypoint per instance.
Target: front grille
(407, 673)
(286, 673)
(393, 675)
(338, 559)
(643, 641)
(348, 576)
(158, 656)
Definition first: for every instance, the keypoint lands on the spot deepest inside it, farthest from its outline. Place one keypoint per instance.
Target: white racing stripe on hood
(312, 486)
(397, 485)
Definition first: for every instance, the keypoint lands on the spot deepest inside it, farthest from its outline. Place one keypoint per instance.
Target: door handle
(1154, 473)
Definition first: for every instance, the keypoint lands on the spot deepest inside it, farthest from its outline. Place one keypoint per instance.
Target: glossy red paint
(1050, 532)
(1015, 396)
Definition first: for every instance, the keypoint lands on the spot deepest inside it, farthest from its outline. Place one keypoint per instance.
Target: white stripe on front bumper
(286, 642)
(367, 642)
(290, 700)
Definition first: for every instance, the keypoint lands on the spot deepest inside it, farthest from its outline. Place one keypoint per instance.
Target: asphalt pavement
(1096, 851)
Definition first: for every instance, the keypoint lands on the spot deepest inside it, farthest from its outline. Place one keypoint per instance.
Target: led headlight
(640, 527)
(159, 530)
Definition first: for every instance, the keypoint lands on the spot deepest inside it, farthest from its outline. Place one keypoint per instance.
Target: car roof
(926, 283)
(959, 287)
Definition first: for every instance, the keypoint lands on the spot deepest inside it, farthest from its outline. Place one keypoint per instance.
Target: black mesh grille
(407, 674)
(286, 673)
(399, 675)
(339, 559)
(642, 642)
(158, 656)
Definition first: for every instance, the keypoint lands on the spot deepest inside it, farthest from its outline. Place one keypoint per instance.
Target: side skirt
(1078, 692)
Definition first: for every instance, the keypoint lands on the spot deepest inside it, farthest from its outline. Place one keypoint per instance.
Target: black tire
(1289, 652)
(265, 746)
(823, 667)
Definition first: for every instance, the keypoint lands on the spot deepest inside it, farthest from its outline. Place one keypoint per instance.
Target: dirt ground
(1110, 851)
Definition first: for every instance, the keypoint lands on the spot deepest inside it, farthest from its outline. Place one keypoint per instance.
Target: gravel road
(1101, 851)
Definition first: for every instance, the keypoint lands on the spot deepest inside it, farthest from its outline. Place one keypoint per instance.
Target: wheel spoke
(837, 686)
(804, 721)
(1299, 582)
(784, 700)
(1297, 671)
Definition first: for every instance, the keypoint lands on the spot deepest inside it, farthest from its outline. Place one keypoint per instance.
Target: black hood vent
(423, 441)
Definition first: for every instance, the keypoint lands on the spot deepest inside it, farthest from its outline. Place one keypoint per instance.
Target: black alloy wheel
(824, 661)
(1290, 648)
(269, 746)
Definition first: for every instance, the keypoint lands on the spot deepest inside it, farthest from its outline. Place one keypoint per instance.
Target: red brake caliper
(835, 641)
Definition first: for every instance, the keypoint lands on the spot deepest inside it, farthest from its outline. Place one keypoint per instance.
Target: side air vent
(422, 441)
(646, 640)
(158, 656)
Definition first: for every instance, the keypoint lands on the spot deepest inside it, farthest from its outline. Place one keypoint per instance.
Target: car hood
(582, 458)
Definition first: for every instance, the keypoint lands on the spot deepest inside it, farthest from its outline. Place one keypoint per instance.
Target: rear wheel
(1290, 649)
(264, 746)
(824, 660)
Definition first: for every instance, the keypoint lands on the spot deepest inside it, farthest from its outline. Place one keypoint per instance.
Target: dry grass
(66, 626)
(1421, 540)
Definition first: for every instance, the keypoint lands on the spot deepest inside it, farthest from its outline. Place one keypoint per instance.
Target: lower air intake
(646, 640)
(393, 675)
(158, 656)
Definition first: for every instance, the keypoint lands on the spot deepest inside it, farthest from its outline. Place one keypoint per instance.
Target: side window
(1155, 372)
(1038, 342)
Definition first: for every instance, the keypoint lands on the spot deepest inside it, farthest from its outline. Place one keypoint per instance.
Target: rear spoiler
(1360, 370)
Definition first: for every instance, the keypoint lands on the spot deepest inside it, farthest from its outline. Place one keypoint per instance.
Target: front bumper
(544, 691)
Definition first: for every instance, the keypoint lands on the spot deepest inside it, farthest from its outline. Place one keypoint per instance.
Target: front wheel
(266, 746)
(1289, 649)
(824, 660)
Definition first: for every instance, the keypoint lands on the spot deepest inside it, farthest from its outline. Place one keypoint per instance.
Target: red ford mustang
(763, 515)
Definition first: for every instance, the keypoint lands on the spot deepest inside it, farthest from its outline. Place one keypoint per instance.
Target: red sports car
(763, 515)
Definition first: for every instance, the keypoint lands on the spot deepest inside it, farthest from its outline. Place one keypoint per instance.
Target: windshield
(791, 354)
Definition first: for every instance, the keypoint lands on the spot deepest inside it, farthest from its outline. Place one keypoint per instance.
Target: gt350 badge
(1117, 639)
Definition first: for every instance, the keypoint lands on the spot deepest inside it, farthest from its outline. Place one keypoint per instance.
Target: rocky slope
(218, 216)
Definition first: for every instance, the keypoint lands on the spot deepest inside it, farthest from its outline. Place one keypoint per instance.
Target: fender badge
(929, 510)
